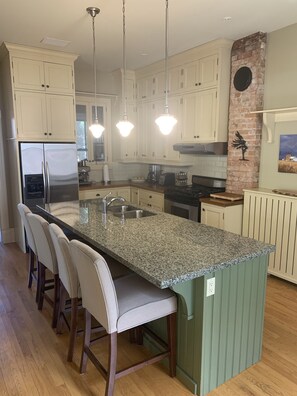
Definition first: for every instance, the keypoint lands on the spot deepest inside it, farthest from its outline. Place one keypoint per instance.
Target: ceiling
(191, 23)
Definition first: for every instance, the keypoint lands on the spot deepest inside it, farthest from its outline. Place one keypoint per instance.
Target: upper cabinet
(42, 76)
(41, 83)
(198, 89)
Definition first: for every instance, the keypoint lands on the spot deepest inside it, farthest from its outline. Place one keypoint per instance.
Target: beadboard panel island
(218, 335)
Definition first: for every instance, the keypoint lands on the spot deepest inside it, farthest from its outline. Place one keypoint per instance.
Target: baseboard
(7, 236)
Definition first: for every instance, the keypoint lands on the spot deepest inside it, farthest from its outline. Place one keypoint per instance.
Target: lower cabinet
(228, 218)
(134, 195)
(101, 192)
(151, 199)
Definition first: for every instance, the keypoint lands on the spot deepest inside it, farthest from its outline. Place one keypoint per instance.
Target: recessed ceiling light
(144, 54)
(227, 19)
(55, 42)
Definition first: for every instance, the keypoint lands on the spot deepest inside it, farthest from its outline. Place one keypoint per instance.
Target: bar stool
(46, 260)
(69, 285)
(24, 210)
(120, 305)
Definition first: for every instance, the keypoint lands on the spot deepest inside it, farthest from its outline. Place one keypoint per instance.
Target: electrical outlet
(210, 287)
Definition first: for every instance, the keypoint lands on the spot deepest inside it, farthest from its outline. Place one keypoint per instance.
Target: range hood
(217, 148)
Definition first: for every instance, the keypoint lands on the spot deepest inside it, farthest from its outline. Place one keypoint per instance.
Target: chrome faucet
(106, 203)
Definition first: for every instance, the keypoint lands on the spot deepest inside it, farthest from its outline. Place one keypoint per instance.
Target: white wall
(280, 91)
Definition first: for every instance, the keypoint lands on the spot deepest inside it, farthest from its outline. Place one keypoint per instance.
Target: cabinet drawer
(99, 193)
(151, 199)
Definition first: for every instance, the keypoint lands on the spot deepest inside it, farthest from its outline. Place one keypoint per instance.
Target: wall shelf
(272, 116)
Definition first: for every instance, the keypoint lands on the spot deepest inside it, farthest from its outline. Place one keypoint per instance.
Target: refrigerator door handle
(48, 195)
(44, 182)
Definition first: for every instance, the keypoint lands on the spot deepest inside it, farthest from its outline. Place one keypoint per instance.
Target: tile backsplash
(212, 166)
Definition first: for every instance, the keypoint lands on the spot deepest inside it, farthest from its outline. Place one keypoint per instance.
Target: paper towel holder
(106, 178)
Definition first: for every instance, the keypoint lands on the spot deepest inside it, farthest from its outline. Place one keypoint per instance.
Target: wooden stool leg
(73, 328)
(31, 267)
(56, 300)
(41, 286)
(62, 303)
(112, 364)
(86, 342)
(171, 331)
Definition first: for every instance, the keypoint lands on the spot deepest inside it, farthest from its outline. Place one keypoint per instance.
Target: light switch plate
(210, 287)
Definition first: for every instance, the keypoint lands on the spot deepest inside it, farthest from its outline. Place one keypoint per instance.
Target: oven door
(182, 210)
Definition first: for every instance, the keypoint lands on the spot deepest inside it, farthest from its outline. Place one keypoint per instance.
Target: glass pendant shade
(166, 123)
(96, 129)
(125, 127)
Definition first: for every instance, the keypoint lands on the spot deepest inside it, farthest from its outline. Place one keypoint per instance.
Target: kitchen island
(218, 335)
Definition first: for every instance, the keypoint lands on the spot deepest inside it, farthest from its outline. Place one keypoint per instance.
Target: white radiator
(272, 218)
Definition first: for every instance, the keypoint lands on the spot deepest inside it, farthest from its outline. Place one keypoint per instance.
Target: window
(89, 147)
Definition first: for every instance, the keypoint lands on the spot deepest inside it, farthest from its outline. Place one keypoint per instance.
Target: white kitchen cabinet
(228, 218)
(192, 76)
(102, 192)
(129, 144)
(37, 75)
(151, 199)
(199, 116)
(134, 195)
(43, 117)
(144, 121)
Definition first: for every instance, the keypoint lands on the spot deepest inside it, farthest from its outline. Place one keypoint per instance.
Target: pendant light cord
(95, 68)
(166, 58)
(124, 60)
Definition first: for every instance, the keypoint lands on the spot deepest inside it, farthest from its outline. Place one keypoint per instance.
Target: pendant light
(124, 126)
(166, 121)
(96, 128)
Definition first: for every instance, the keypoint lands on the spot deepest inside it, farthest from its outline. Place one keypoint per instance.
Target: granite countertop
(124, 183)
(164, 249)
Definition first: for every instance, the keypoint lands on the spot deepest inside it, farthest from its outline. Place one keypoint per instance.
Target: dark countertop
(163, 248)
(221, 202)
(124, 183)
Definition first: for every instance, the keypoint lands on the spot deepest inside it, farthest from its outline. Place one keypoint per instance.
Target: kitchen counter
(164, 249)
(219, 334)
(220, 202)
(124, 183)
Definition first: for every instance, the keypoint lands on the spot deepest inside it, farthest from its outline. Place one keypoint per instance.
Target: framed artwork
(287, 159)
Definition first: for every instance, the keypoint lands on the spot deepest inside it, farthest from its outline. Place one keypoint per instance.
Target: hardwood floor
(33, 357)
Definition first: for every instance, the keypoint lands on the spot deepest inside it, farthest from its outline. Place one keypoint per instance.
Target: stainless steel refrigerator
(49, 173)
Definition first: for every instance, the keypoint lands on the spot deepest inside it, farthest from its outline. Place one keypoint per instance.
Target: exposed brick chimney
(243, 164)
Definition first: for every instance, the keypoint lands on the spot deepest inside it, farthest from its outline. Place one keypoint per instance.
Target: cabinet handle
(196, 84)
(42, 85)
(45, 133)
(150, 196)
(203, 210)
(199, 83)
(47, 86)
(97, 195)
(50, 134)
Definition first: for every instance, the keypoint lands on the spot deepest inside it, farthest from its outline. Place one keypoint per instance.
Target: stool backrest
(44, 245)
(24, 210)
(97, 287)
(67, 269)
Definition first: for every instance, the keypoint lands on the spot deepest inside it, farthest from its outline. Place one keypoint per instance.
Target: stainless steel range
(184, 201)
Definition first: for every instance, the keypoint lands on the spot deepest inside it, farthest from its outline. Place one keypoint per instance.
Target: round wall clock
(242, 78)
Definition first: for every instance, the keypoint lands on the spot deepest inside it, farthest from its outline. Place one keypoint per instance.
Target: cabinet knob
(42, 85)
(203, 210)
(50, 134)
(199, 83)
(150, 196)
(196, 84)
(98, 195)
(47, 86)
(45, 133)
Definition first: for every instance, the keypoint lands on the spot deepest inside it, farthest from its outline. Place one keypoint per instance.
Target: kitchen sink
(120, 208)
(134, 214)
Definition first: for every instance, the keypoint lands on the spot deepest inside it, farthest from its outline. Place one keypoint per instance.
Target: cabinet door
(157, 139)
(160, 85)
(175, 80)
(189, 76)
(151, 199)
(175, 135)
(142, 89)
(28, 74)
(31, 115)
(143, 127)
(58, 78)
(123, 192)
(212, 215)
(208, 72)
(199, 116)
(134, 195)
(60, 117)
